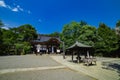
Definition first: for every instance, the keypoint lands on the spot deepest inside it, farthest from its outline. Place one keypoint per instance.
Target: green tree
(118, 24)
(78, 31)
(9, 38)
(87, 35)
(118, 28)
(82, 23)
(106, 40)
(55, 34)
(70, 33)
(19, 38)
(118, 35)
(1, 24)
(1, 38)
(25, 34)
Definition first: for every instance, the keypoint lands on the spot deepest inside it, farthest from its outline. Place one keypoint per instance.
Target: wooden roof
(78, 45)
(47, 39)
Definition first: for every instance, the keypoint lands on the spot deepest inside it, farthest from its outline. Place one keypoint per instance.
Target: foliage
(55, 34)
(103, 39)
(23, 48)
(118, 23)
(118, 28)
(1, 24)
(118, 35)
(19, 37)
(9, 37)
(70, 33)
(106, 40)
(1, 38)
(78, 32)
(26, 32)
(87, 35)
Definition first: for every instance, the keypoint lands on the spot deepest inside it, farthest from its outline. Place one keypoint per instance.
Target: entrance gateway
(47, 44)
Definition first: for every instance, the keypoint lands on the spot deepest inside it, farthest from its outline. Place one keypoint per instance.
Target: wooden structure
(47, 44)
(78, 48)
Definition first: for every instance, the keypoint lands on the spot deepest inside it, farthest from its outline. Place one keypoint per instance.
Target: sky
(48, 16)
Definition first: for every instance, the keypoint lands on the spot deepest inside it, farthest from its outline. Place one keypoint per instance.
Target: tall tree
(1, 38)
(26, 33)
(82, 23)
(55, 34)
(118, 23)
(70, 33)
(107, 40)
(1, 24)
(118, 35)
(19, 37)
(9, 39)
(87, 35)
(118, 28)
(81, 32)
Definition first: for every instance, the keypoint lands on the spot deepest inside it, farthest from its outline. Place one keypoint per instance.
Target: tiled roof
(42, 38)
(80, 45)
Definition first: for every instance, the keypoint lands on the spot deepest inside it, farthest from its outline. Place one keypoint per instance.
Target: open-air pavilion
(80, 49)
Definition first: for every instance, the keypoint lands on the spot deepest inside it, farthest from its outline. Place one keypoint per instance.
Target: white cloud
(19, 8)
(2, 3)
(16, 8)
(5, 28)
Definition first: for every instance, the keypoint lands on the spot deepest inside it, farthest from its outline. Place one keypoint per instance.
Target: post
(72, 55)
(52, 49)
(63, 50)
(88, 55)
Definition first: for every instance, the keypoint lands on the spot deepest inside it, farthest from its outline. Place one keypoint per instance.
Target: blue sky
(49, 16)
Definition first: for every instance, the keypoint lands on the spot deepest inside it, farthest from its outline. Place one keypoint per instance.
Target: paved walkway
(54, 74)
(98, 71)
(4, 71)
(32, 67)
(26, 61)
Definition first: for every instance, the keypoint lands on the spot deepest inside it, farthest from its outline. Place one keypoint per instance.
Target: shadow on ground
(114, 66)
(81, 62)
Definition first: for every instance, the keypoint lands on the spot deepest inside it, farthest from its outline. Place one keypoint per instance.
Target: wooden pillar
(72, 55)
(63, 50)
(78, 57)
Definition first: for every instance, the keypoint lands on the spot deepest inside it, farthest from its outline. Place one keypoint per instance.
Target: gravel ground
(26, 61)
(57, 74)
